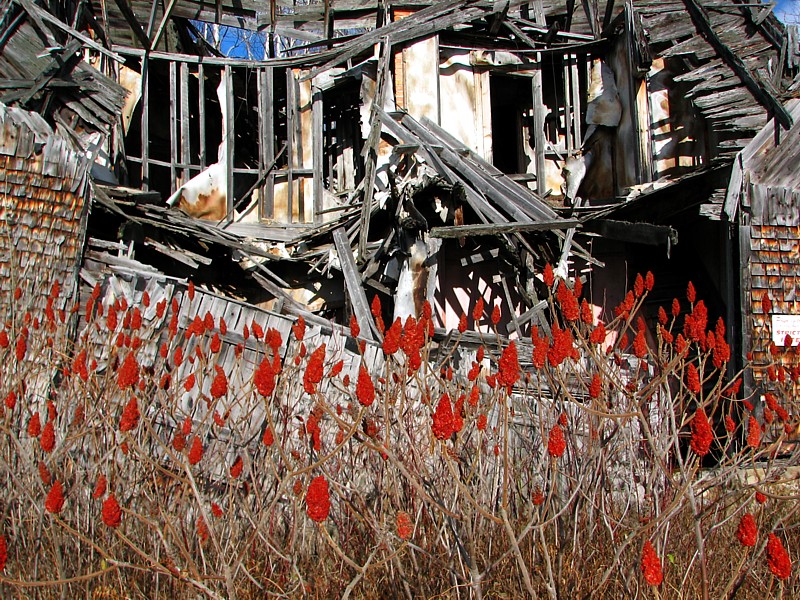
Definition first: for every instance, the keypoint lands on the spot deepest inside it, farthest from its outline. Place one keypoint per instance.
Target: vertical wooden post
(539, 108)
(267, 120)
(145, 128)
(577, 99)
(173, 125)
(185, 135)
(318, 140)
(201, 114)
(745, 304)
(566, 68)
(291, 118)
(538, 126)
(229, 137)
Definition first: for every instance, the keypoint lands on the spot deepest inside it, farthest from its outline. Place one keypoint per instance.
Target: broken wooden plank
(760, 93)
(457, 231)
(371, 146)
(354, 286)
(517, 326)
(428, 20)
(471, 177)
(499, 186)
(633, 233)
(187, 257)
(40, 14)
(535, 310)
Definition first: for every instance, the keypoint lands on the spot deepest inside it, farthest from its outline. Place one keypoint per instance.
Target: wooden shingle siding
(42, 204)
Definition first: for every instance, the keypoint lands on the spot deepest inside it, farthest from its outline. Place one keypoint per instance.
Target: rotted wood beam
(500, 228)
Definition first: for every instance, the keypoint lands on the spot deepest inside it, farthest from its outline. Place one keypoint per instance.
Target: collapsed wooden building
(439, 151)
(169, 213)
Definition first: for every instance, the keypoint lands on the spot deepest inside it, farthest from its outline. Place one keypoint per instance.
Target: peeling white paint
(603, 106)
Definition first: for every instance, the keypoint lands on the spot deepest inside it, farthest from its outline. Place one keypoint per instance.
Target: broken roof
(731, 62)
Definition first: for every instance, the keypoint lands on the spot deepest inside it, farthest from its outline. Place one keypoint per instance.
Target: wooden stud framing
(229, 137)
(173, 124)
(538, 126)
(266, 139)
(575, 90)
(291, 150)
(317, 141)
(201, 114)
(145, 100)
(185, 135)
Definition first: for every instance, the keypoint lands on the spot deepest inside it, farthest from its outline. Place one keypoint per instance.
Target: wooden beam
(201, 115)
(50, 76)
(184, 112)
(173, 125)
(371, 146)
(136, 27)
(291, 146)
(535, 310)
(355, 289)
(515, 324)
(317, 141)
(590, 8)
(499, 16)
(230, 135)
(760, 92)
(501, 228)
(266, 140)
(164, 20)
(540, 141)
(633, 233)
(145, 124)
(608, 14)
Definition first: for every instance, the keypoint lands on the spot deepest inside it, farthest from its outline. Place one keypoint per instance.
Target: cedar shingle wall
(42, 201)
(774, 265)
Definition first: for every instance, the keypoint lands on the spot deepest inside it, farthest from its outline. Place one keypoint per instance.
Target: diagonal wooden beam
(458, 231)
(136, 27)
(352, 281)
(760, 93)
(163, 24)
(371, 146)
(39, 15)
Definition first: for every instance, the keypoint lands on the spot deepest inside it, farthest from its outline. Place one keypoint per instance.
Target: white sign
(783, 325)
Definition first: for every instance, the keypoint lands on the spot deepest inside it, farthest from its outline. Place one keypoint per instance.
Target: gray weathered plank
(355, 289)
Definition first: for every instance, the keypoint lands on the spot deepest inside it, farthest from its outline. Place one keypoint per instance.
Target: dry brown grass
(480, 528)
